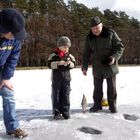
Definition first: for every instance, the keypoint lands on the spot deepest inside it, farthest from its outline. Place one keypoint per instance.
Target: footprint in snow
(90, 130)
(130, 117)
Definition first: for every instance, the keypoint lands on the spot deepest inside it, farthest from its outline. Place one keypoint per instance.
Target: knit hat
(95, 21)
(64, 41)
(12, 20)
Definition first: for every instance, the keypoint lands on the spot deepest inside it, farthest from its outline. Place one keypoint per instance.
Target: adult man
(106, 48)
(12, 33)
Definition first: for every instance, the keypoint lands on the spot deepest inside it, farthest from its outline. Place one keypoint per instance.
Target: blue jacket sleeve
(12, 60)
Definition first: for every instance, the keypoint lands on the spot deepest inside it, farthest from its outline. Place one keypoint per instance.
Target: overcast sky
(131, 7)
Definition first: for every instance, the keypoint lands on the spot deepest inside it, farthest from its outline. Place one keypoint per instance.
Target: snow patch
(34, 107)
(80, 115)
(137, 132)
(82, 136)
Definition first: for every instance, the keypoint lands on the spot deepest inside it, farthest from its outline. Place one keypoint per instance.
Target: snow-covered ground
(33, 103)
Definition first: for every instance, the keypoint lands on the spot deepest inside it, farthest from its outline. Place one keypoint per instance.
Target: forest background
(47, 20)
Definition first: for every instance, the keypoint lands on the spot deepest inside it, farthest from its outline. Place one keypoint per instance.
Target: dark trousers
(60, 96)
(111, 91)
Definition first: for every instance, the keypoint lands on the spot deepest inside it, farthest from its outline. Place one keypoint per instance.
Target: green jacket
(99, 48)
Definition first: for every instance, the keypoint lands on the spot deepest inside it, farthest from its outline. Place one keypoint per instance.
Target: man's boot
(112, 107)
(96, 107)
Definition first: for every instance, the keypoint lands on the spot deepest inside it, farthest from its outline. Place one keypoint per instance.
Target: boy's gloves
(60, 63)
(64, 63)
(67, 63)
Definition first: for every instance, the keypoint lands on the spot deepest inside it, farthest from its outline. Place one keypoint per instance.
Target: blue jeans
(9, 113)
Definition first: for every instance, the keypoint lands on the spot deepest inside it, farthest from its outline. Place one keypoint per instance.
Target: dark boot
(95, 108)
(57, 115)
(66, 115)
(112, 107)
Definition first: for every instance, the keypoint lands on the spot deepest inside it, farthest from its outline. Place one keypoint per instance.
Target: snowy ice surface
(34, 108)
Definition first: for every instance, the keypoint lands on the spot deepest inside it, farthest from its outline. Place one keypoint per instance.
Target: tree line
(47, 20)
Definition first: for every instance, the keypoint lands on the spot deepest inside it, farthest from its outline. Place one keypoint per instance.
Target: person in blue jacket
(12, 33)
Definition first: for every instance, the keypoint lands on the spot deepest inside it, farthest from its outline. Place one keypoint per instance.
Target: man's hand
(112, 60)
(84, 72)
(6, 83)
